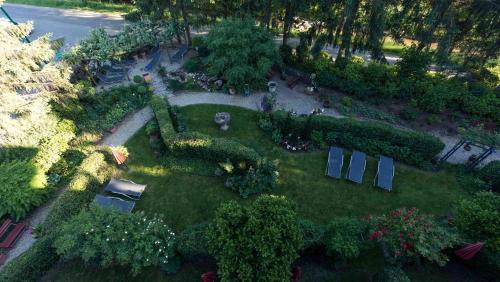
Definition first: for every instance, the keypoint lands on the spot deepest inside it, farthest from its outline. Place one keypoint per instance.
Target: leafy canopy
(241, 52)
(255, 243)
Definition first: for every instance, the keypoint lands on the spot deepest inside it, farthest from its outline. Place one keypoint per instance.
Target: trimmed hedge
(373, 138)
(35, 262)
(263, 175)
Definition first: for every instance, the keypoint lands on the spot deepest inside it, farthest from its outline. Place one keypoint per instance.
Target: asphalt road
(73, 25)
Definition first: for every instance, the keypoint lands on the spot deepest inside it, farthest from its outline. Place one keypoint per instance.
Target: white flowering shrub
(108, 237)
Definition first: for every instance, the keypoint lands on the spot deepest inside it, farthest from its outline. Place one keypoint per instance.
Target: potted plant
(232, 90)
(271, 85)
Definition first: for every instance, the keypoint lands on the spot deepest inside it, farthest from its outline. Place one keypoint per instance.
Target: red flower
(401, 235)
(407, 245)
(375, 234)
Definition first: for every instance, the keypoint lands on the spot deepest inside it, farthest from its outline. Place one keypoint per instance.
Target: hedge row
(32, 264)
(373, 138)
(259, 174)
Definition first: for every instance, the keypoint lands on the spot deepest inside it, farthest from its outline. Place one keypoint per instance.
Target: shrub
(201, 46)
(432, 119)
(90, 176)
(491, 174)
(22, 186)
(317, 139)
(344, 237)
(277, 136)
(51, 149)
(347, 101)
(138, 79)
(373, 138)
(193, 64)
(408, 114)
(193, 241)
(479, 219)
(265, 123)
(142, 90)
(255, 243)
(261, 178)
(413, 63)
(241, 52)
(312, 234)
(393, 274)
(109, 237)
(406, 234)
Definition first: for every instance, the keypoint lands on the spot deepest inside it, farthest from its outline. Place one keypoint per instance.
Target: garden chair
(126, 188)
(122, 205)
(357, 166)
(385, 173)
(335, 162)
(179, 55)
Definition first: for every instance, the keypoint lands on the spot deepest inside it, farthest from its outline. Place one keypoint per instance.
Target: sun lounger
(335, 162)
(11, 237)
(154, 60)
(179, 55)
(385, 173)
(357, 166)
(122, 205)
(126, 188)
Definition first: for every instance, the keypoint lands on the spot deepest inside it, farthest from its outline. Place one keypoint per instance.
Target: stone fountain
(222, 119)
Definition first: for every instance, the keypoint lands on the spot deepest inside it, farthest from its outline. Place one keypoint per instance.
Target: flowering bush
(344, 237)
(405, 234)
(109, 237)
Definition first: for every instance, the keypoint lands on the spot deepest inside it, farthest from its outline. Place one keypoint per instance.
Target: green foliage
(189, 84)
(51, 149)
(90, 176)
(254, 174)
(345, 237)
(373, 138)
(265, 123)
(109, 237)
(408, 114)
(414, 62)
(312, 234)
(138, 79)
(255, 243)
(240, 52)
(491, 174)
(193, 242)
(22, 186)
(277, 137)
(193, 64)
(479, 219)
(406, 234)
(317, 139)
(393, 274)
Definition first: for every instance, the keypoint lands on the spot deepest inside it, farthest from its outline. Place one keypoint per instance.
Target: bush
(344, 237)
(255, 243)
(51, 149)
(312, 234)
(193, 64)
(241, 52)
(393, 274)
(406, 235)
(491, 174)
(22, 186)
(262, 178)
(373, 138)
(109, 237)
(193, 242)
(138, 79)
(317, 139)
(408, 114)
(413, 63)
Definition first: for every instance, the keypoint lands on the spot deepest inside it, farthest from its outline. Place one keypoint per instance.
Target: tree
(350, 10)
(241, 52)
(255, 243)
(109, 237)
(406, 234)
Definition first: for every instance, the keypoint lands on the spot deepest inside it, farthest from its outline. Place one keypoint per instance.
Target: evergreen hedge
(374, 138)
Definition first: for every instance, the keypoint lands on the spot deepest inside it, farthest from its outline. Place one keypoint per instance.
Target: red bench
(3, 258)
(5, 226)
(13, 236)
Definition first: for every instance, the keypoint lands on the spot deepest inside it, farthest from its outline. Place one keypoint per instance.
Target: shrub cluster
(255, 174)
(32, 264)
(373, 138)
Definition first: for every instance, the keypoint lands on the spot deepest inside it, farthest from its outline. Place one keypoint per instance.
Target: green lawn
(77, 4)
(186, 192)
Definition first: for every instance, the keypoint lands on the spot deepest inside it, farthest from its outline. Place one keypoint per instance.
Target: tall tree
(376, 26)
(350, 10)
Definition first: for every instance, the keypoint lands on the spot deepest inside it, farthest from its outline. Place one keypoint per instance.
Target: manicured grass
(76, 4)
(390, 47)
(186, 192)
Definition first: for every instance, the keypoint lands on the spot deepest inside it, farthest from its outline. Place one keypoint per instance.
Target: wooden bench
(5, 226)
(292, 81)
(13, 236)
(3, 258)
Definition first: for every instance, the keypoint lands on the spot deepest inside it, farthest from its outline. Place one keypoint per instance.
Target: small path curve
(128, 127)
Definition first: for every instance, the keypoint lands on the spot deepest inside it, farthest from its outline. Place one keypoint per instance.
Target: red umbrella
(119, 157)
(469, 250)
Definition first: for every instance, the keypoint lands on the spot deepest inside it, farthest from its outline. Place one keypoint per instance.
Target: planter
(232, 91)
(222, 119)
(309, 90)
(271, 85)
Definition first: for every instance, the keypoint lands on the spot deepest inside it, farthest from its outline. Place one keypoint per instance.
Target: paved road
(73, 25)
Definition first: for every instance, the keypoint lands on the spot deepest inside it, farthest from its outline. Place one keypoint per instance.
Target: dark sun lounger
(335, 162)
(357, 166)
(126, 188)
(385, 173)
(122, 205)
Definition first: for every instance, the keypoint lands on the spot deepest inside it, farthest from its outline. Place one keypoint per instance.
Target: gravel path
(128, 127)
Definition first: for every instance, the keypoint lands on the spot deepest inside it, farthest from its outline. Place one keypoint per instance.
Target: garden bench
(385, 173)
(357, 166)
(180, 53)
(335, 162)
(13, 236)
(5, 226)
(3, 258)
(292, 81)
